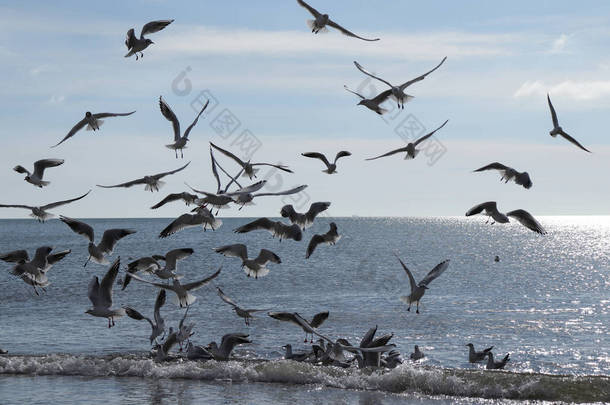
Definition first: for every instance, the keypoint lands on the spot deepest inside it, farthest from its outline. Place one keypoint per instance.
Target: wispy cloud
(559, 44)
(577, 90)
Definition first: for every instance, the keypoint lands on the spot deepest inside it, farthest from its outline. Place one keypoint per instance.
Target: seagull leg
(417, 311)
(176, 152)
(109, 323)
(136, 56)
(85, 265)
(112, 319)
(182, 153)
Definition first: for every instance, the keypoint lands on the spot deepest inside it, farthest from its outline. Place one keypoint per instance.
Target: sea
(546, 302)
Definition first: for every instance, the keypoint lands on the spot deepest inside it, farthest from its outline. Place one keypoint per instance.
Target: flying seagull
(557, 130)
(398, 92)
(228, 342)
(40, 212)
(247, 314)
(188, 199)
(276, 228)
(410, 149)
(296, 319)
(183, 296)
(179, 141)
(35, 178)
(527, 220)
(474, 356)
(153, 183)
(135, 45)
(34, 272)
(490, 209)
(322, 20)
(217, 201)
(105, 247)
(496, 365)
(252, 267)
(249, 169)
(100, 295)
(184, 221)
(93, 123)
(304, 220)
(246, 195)
(508, 174)
(330, 167)
(151, 265)
(330, 238)
(418, 290)
(373, 104)
(158, 324)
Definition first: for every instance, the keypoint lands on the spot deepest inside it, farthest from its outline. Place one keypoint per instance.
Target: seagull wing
(79, 125)
(169, 114)
(493, 166)
(159, 302)
(434, 273)
(214, 172)
(316, 155)
(423, 138)
(55, 257)
(198, 284)
(574, 141)
(265, 256)
(188, 130)
(390, 153)
(174, 255)
(105, 290)
(236, 250)
(381, 97)
(353, 92)
(553, 113)
(126, 184)
(130, 39)
(111, 237)
(154, 26)
(313, 243)
(229, 154)
(366, 72)
(225, 298)
(281, 167)
(286, 192)
(422, 77)
(182, 222)
(106, 114)
(173, 197)
(318, 319)
(41, 165)
(64, 202)
(309, 8)
(261, 223)
(159, 285)
(341, 154)
(27, 207)
(249, 189)
(526, 219)
(161, 175)
(15, 256)
(409, 274)
(315, 209)
(79, 227)
(347, 32)
(487, 206)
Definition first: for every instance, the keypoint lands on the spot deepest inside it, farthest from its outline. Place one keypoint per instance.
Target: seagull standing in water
(418, 290)
(411, 147)
(228, 342)
(322, 20)
(153, 182)
(557, 130)
(179, 141)
(330, 167)
(105, 247)
(247, 314)
(93, 123)
(35, 178)
(158, 325)
(508, 174)
(40, 212)
(373, 104)
(135, 44)
(496, 365)
(100, 295)
(474, 356)
(398, 92)
(256, 267)
(417, 354)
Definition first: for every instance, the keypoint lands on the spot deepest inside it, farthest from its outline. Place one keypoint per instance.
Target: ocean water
(547, 303)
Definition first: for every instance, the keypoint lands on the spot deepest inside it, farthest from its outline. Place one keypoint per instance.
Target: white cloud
(576, 90)
(559, 44)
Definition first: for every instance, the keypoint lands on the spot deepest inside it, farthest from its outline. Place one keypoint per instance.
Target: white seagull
(40, 212)
(247, 314)
(249, 169)
(256, 267)
(93, 123)
(557, 130)
(322, 20)
(135, 45)
(35, 178)
(100, 295)
(411, 148)
(151, 265)
(330, 167)
(508, 174)
(398, 92)
(179, 141)
(418, 290)
(373, 104)
(153, 183)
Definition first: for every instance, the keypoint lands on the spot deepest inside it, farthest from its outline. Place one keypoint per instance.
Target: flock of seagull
(370, 352)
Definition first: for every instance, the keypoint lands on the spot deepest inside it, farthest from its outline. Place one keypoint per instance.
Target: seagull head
(361, 102)
(148, 41)
(89, 311)
(88, 114)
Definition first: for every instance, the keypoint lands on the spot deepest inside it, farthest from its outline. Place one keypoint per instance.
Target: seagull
(295, 356)
(276, 228)
(158, 325)
(304, 220)
(373, 359)
(35, 178)
(179, 141)
(508, 174)
(372, 103)
(247, 314)
(183, 297)
(185, 331)
(474, 356)
(135, 45)
(40, 212)
(526, 219)
(252, 267)
(322, 20)
(246, 195)
(411, 146)
(100, 295)
(557, 130)
(398, 92)
(496, 365)
(490, 209)
(417, 354)
(228, 342)
(331, 237)
(188, 199)
(197, 352)
(249, 169)
(217, 201)
(184, 221)
(330, 167)
(105, 247)
(93, 123)
(34, 272)
(296, 319)
(418, 290)
(153, 183)
(162, 350)
(151, 265)
(392, 360)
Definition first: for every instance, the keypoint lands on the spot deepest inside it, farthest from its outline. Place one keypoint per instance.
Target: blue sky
(285, 85)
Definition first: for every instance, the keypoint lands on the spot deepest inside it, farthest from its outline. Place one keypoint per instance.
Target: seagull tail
(311, 24)
(256, 273)
(188, 300)
(44, 183)
(406, 299)
(99, 124)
